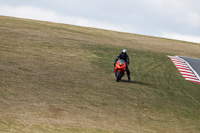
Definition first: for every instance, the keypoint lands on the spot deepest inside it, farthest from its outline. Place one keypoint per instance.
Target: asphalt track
(194, 63)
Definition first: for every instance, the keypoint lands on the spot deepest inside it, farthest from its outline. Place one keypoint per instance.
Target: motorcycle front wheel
(118, 75)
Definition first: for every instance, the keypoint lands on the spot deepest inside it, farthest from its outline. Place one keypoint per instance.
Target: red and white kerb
(185, 69)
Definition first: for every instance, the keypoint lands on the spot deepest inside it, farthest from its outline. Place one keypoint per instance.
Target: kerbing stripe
(183, 73)
(189, 77)
(186, 75)
(182, 64)
(192, 79)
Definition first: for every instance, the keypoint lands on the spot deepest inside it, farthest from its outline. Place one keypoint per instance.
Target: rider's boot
(129, 79)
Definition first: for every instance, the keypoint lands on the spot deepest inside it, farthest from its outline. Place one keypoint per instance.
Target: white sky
(176, 19)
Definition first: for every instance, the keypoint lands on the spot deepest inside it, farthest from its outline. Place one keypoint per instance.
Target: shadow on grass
(133, 82)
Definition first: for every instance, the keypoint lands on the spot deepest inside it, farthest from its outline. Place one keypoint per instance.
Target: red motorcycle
(120, 69)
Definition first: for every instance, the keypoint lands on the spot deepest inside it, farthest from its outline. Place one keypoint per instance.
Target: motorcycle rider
(124, 56)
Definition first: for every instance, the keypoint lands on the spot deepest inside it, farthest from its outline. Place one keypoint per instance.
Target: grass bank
(58, 78)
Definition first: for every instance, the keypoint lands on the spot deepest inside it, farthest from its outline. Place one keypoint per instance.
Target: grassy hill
(58, 78)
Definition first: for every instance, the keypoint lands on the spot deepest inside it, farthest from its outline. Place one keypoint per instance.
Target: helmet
(124, 51)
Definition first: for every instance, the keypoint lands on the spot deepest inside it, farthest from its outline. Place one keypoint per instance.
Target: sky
(175, 19)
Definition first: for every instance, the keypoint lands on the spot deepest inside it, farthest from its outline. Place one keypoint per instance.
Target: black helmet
(124, 51)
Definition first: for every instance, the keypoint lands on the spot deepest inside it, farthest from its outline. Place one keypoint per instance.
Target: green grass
(58, 78)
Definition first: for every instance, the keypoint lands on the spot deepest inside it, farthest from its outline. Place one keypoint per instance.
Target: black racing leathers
(124, 57)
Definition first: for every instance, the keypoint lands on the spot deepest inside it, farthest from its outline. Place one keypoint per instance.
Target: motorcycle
(120, 69)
